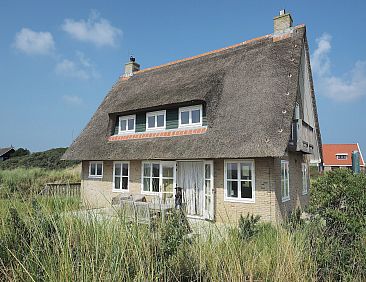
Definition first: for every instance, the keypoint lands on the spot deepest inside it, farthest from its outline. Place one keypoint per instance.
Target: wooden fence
(62, 189)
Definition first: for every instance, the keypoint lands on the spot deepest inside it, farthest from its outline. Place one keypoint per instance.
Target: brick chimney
(282, 23)
(131, 67)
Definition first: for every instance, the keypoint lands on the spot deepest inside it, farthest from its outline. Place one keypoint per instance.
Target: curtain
(190, 178)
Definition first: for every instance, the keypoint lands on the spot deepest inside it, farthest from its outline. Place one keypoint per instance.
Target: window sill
(196, 125)
(121, 191)
(95, 177)
(148, 193)
(237, 200)
(284, 200)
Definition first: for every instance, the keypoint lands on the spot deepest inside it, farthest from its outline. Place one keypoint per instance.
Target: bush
(248, 226)
(338, 232)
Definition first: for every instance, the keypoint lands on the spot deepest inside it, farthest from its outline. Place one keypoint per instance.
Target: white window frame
(286, 184)
(156, 113)
(127, 130)
(343, 155)
(161, 163)
(96, 164)
(305, 178)
(121, 176)
(190, 109)
(209, 212)
(239, 199)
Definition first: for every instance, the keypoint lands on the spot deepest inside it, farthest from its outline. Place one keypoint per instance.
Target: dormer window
(190, 116)
(342, 156)
(127, 124)
(155, 120)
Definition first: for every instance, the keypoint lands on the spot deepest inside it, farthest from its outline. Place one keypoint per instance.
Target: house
(5, 153)
(340, 156)
(235, 128)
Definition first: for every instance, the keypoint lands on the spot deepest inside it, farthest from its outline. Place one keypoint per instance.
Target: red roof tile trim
(144, 135)
(217, 51)
(330, 152)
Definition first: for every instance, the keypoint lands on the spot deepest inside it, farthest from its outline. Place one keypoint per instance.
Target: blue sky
(58, 59)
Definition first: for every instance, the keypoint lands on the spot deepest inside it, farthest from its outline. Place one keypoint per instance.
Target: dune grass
(42, 243)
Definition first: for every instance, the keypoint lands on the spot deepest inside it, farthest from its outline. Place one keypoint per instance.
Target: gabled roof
(330, 152)
(3, 151)
(250, 91)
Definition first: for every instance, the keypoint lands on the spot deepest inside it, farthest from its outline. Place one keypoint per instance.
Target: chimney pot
(282, 23)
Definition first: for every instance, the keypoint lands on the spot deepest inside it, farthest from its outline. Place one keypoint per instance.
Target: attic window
(190, 116)
(155, 120)
(342, 156)
(126, 124)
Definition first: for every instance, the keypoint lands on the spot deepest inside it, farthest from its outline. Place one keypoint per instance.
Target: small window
(95, 169)
(127, 124)
(285, 181)
(121, 172)
(342, 156)
(239, 181)
(305, 179)
(190, 116)
(155, 120)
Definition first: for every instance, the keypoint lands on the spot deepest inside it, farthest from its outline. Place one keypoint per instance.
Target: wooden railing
(62, 189)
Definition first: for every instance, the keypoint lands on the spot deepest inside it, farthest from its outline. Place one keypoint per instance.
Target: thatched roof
(3, 151)
(244, 88)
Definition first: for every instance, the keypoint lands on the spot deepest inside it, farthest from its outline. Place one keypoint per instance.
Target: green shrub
(337, 234)
(248, 226)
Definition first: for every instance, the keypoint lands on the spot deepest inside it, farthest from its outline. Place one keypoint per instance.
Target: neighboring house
(234, 127)
(5, 153)
(340, 156)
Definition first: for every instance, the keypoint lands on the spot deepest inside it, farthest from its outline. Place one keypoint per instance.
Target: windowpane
(246, 171)
(196, 116)
(155, 170)
(168, 171)
(147, 169)
(125, 169)
(123, 125)
(184, 117)
(151, 121)
(246, 190)
(160, 121)
(168, 185)
(117, 169)
(92, 169)
(131, 124)
(125, 183)
(207, 171)
(207, 186)
(99, 169)
(146, 186)
(232, 189)
(232, 171)
(155, 185)
(117, 183)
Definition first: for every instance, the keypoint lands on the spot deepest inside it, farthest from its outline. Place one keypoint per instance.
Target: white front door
(196, 179)
(167, 175)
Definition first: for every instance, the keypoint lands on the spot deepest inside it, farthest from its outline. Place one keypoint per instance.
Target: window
(305, 179)
(95, 169)
(121, 172)
(342, 156)
(155, 120)
(240, 181)
(285, 182)
(126, 124)
(158, 177)
(190, 116)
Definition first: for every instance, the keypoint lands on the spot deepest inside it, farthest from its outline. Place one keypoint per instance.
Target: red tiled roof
(330, 152)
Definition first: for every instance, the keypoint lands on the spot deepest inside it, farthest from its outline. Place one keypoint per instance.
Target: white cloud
(32, 42)
(81, 68)
(72, 100)
(347, 87)
(95, 30)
